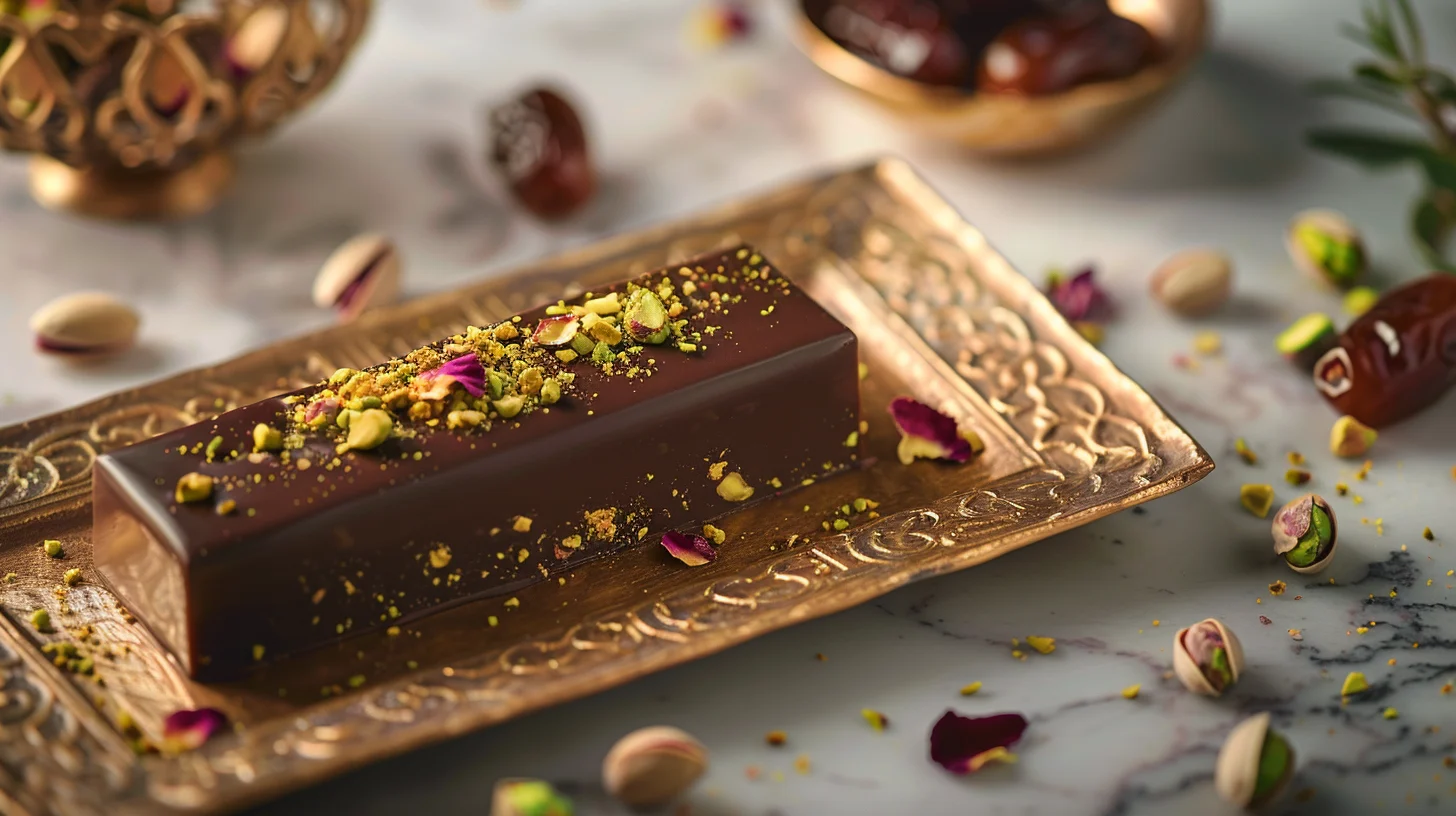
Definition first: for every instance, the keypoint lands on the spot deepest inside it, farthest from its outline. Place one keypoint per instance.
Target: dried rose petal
(693, 550)
(188, 729)
(328, 408)
(1078, 297)
(465, 370)
(556, 331)
(926, 433)
(962, 745)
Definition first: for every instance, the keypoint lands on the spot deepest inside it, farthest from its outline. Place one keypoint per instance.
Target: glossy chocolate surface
(314, 553)
(1398, 358)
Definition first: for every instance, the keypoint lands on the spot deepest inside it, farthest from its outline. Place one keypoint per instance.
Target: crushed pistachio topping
(734, 488)
(193, 487)
(53, 548)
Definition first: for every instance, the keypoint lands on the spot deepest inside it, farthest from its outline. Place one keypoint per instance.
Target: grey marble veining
(398, 147)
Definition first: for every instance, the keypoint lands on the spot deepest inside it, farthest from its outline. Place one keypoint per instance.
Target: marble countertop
(397, 147)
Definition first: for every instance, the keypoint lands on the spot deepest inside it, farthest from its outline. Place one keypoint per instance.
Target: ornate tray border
(1091, 441)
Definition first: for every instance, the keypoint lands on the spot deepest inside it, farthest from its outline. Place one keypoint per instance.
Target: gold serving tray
(939, 315)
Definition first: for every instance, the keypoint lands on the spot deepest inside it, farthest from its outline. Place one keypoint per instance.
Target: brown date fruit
(539, 147)
(1050, 54)
(937, 42)
(1398, 358)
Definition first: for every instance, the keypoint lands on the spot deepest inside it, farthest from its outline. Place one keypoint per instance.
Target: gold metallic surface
(131, 106)
(939, 314)
(1011, 125)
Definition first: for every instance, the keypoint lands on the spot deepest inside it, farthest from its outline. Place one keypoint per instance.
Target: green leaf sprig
(1399, 79)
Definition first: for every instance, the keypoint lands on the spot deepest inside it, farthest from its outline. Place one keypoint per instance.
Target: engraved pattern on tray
(1101, 443)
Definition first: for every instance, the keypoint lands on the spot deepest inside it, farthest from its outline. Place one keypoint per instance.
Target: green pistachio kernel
(1220, 673)
(369, 429)
(193, 487)
(497, 383)
(267, 438)
(508, 407)
(841, 524)
(658, 337)
(370, 402)
(213, 446)
(567, 356)
(1341, 259)
(534, 798)
(41, 620)
(341, 375)
(582, 345)
(1313, 331)
(646, 316)
(550, 392)
(530, 381)
(602, 353)
(72, 577)
(53, 548)
(1273, 764)
(687, 348)
(734, 488)
(1314, 541)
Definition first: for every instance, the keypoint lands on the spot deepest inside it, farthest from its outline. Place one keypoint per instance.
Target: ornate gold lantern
(130, 107)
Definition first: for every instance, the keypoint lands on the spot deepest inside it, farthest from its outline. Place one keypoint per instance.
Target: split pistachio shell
(1291, 524)
(84, 322)
(653, 766)
(1325, 245)
(1236, 774)
(1187, 668)
(361, 274)
(1194, 282)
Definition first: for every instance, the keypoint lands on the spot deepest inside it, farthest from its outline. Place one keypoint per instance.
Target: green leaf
(1378, 95)
(1380, 32)
(1440, 169)
(1377, 75)
(1432, 222)
(1371, 149)
(1413, 36)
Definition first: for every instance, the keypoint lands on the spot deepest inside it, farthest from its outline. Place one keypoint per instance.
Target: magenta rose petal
(693, 550)
(926, 433)
(465, 370)
(1078, 297)
(189, 729)
(962, 745)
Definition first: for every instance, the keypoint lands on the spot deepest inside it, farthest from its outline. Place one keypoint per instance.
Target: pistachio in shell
(361, 274)
(652, 766)
(84, 323)
(1254, 765)
(1305, 534)
(1207, 657)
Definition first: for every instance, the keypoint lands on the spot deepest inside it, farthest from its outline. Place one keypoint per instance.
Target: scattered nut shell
(1292, 527)
(1349, 437)
(362, 274)
(1191, 674)
(652, 766)
(1326, 246)
(1236, 774)
(1194, 283)
(84, 323)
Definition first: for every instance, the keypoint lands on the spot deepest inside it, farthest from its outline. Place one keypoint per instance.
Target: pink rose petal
(327, 408)
(465, 370)
(1078, 297)
(189, 729)
(693, 550)
(926, 433)
(962, 745)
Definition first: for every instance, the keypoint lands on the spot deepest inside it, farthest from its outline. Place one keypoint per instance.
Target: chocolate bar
(471, 468)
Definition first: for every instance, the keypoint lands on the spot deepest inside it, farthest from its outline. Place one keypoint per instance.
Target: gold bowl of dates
(1007, 77)
(130, 107)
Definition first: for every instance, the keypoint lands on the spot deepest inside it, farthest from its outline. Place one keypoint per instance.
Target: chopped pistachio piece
(266, 438)
(41, 620)
(550, 392)
(369, 430)
(1257, 499)
(734, 488)
(193, 487)
(53, 548)
(509, 407)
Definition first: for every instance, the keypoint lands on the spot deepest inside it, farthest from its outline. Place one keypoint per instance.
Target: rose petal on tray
(963, 745)
(693, 550)
(1078, 297)
(926, 433)
(189, 729)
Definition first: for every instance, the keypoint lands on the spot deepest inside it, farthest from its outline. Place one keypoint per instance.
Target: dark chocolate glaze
(314, 554)
(1398, 358)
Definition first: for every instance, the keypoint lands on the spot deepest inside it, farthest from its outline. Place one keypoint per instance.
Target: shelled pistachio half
(1207, 657)
(1305, 534)
(1254, 765)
